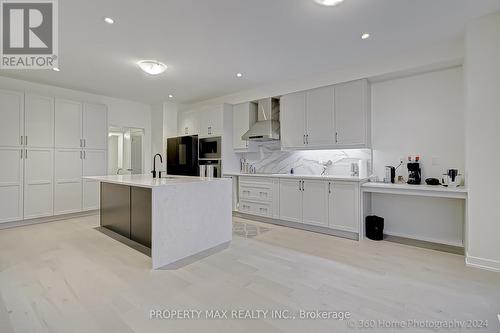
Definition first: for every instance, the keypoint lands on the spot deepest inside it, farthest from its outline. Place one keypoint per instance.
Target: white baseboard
(488, 264)
(21, 223)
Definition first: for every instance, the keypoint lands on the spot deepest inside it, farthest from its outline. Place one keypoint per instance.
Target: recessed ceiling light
(55, 69)
(109, 20)
(365, 35)
(239, 75)
(328, 2)
(170, 96)
(152, 67)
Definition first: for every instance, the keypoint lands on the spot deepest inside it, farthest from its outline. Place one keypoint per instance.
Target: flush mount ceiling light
(170, 96)
(55, 69)
(109, 20)
(239, 75)
(365, 35)
(328, 2)
(152, 67)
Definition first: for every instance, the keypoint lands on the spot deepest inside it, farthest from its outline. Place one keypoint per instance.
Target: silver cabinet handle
(26, 140)
(21, 140)
(307, 138)
(300, 185)
(336, 137)
(26, 153)
(22, 153)
(304, 139)
(329, 188)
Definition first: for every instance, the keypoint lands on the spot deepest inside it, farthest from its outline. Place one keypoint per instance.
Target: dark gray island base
(126, 210)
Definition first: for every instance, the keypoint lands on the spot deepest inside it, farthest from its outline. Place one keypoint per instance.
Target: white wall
(122, 113)
(419, 115)
(482, 82)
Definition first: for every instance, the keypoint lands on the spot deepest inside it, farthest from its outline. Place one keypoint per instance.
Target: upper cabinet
(327, 117)
(39, 121)
(12, 123)
(95, 126)
(210, 121)
(352, 114)
(68, 132)
(244, 116)
(293, 120)
(188, 123)
(80, 125)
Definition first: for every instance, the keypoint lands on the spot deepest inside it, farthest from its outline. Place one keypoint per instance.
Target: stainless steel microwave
(210, 148)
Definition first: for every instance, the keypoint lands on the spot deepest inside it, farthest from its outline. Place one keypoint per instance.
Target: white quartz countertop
(419, 190)
(283, 175)
(147, 180)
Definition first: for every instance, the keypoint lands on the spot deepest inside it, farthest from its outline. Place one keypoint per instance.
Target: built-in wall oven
(210, 156)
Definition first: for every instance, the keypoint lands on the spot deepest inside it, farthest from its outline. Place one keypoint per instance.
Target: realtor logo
(29, 38)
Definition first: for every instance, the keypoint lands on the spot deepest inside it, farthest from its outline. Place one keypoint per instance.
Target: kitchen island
(179, 218)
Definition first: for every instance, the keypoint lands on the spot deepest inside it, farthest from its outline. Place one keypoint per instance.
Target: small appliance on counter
(432, 181)
(414, 171)
(452, 178)
(390, 174)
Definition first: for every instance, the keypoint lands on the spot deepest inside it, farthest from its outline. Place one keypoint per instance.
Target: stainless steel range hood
(267, 127)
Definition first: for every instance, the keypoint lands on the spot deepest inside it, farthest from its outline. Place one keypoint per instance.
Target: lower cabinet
(68, 181)
(291, 200)
(94, 164)
(11, 184)
(140, 215)
(315, 202)
(343, 206)
(38, 182)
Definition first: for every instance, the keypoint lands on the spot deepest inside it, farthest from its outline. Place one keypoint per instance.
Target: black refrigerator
(182, 156)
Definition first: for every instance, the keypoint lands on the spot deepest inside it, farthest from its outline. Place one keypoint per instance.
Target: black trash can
(375, 227)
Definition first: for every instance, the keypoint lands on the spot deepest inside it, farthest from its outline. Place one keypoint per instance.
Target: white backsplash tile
(271, 159)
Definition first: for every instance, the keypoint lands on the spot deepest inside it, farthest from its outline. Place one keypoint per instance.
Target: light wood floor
(67, 277)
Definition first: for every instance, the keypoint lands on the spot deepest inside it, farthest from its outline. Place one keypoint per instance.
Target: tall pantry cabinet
(46, 146)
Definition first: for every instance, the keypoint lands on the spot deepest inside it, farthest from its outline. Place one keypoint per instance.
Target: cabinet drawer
(256, 208)
(256, 193)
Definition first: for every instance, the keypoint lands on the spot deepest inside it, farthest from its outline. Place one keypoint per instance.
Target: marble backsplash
(271, 159)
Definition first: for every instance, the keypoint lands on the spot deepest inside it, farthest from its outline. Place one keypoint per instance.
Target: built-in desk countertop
(418, 190)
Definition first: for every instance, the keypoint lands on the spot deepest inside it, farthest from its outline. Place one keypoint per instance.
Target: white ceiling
(206, 42)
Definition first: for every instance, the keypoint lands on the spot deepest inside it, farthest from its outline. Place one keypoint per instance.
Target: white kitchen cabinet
(95, 126)
(290, 200)
(320, 117)
(39, 121)
(94, 164)
(343, 206)
(188, 123)
(11, 184)
(38, 182)
(68, 124)
(210, 121)
(315, 202)
(244, 116)
(68, 181)
(352, 114)
(292, 120)
(12, 118)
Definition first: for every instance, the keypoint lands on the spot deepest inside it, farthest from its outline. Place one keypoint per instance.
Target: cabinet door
(320, 117)
(38, 182)
(315, 202)
(351, 113)
(68, 181)
(95, 126)
(12, 118)
(292, 120)
(241, 124)
(290, 199)
(94, 164)
(68, 128)
(188, 123)
(210, 121)
(39, 121)
(11, 184)
(344, 206)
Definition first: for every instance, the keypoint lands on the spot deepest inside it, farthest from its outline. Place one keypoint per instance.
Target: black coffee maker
(414, 171)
